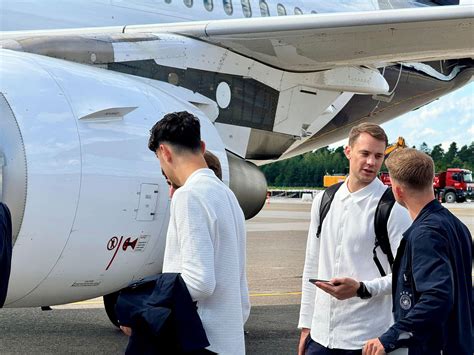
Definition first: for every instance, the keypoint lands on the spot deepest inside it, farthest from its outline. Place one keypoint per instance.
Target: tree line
(308, 170)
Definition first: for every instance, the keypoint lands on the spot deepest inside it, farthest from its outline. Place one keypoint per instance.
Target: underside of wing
(278, 87)
(324, 41)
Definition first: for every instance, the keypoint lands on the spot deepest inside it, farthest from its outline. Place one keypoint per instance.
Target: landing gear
(110, 301)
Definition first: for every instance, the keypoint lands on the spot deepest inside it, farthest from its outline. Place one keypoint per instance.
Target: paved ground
(276, 245)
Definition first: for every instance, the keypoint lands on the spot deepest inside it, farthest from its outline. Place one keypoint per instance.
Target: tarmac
(276, 243)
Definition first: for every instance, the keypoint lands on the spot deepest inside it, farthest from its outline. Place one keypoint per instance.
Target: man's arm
(194, 227)
(310, 271)
(344, 287)
(432, 276)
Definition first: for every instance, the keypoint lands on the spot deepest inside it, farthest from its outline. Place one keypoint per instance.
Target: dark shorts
(313, 348)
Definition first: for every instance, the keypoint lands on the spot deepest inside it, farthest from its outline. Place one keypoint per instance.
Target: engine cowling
(89, 204)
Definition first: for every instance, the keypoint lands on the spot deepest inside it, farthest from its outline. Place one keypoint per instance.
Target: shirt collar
(198, 172)
(432, 206)
(361, 194)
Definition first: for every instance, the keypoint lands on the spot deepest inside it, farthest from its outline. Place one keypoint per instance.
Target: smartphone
(327, 281)
(318, 280)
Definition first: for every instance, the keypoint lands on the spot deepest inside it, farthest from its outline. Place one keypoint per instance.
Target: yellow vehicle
(329, 180)
(400, 143)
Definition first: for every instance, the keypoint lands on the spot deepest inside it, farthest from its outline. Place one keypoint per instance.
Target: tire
(450, 197)
(110, 301)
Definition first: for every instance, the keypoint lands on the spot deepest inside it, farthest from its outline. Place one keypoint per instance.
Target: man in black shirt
(5, 250)
(432, 284)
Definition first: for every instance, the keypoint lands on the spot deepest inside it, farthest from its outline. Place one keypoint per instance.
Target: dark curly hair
(180, 129)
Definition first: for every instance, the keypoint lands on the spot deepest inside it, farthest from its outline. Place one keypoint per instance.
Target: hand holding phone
(313, 281)
(318, 280)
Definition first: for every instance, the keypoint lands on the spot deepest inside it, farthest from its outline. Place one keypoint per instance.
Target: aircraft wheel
(110, 301)
(450, 197)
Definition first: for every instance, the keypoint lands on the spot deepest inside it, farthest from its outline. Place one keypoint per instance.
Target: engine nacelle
(89, 204)
(248, 184)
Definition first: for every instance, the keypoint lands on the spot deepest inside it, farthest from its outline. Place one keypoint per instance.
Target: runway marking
(297, 293)
(275, 294)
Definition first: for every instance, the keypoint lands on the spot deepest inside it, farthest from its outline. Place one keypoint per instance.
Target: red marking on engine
(128, 243)
(116, 250)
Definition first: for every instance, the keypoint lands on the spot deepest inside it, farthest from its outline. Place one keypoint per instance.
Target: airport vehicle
(385, 178)
(399, 144)
(454, 185)
(89, 204)
(329, 180)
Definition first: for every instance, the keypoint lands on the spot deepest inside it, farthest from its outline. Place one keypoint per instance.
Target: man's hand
(373, 347)
(340, 287)
(126, 330)
(303, 336)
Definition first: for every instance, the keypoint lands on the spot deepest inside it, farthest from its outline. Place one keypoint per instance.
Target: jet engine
(89, 204)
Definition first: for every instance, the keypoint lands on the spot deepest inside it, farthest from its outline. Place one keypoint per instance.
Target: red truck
(454, 185)
(451, 185)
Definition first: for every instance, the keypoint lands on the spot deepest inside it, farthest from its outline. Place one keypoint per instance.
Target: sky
(448, 119)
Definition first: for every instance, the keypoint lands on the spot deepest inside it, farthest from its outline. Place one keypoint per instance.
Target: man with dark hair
(432, 284)
(5, 250)
(206, 233)
(332, 319)
(212, 162)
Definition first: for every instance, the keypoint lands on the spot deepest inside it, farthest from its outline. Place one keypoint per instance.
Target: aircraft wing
(324, 41)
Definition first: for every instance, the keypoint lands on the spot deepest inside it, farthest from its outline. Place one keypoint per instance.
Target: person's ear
(347, 152)
(165, 152)
(398, 191)
(203, 147)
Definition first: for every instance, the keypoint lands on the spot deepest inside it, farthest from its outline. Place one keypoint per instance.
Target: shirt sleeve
(194, 225)
(433, 280)
(244, 291)
(310, 267)
(398, 222)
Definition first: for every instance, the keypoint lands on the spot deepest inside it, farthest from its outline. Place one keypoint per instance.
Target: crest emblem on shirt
(405, 300)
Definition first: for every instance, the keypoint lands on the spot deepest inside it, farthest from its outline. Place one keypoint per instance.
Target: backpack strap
(382, 213)
(328, 196)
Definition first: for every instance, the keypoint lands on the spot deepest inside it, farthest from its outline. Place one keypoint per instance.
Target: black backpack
(382, 213)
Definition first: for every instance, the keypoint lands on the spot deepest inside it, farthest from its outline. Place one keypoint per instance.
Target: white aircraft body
(82, 82)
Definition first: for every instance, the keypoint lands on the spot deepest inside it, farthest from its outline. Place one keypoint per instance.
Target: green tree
(437, 154)
(451, 154)
(424, 148)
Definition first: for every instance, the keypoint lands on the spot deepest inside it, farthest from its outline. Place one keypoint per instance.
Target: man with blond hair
(338, 316)
(432, 285)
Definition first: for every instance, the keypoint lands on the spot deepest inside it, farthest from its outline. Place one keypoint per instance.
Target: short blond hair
(366, 127)
(411, 168)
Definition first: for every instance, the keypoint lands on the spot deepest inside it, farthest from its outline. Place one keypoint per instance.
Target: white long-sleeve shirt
(344, 249)
(206, 243)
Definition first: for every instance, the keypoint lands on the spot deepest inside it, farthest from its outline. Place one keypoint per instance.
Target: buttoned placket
(337, 267)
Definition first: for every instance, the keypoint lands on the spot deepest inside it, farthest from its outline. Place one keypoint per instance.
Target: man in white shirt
(206, 233)
(333, 320)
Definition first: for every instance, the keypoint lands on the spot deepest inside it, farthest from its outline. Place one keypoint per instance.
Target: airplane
(82, 82)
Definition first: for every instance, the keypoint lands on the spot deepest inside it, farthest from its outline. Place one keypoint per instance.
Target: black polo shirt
(432, 286)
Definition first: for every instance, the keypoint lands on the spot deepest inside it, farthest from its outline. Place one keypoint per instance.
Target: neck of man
(354, 184)
(416, 202)
(186, 165)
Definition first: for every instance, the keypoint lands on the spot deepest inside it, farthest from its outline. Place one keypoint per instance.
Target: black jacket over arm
(163, 317)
